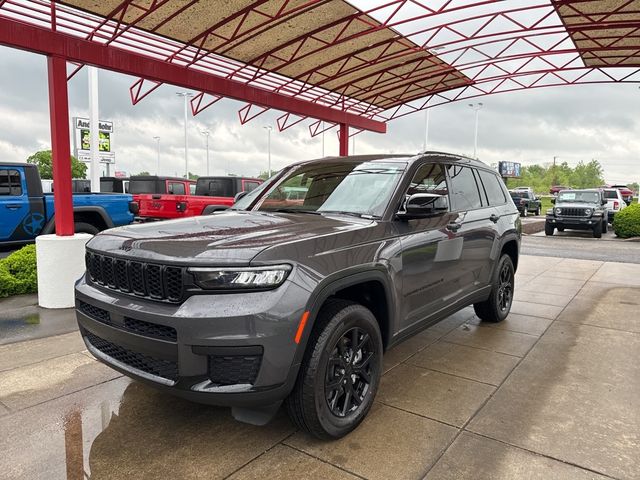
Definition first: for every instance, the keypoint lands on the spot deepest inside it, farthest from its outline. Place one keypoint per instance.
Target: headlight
(212, 278)
(558, 211)
(587, 211)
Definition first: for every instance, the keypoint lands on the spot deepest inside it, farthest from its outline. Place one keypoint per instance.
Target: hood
(229, 238)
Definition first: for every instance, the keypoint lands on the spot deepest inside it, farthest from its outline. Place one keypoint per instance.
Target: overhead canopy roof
(379, 59)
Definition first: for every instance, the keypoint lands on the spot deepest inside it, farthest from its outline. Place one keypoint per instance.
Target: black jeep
(296, 298)
(578, 210)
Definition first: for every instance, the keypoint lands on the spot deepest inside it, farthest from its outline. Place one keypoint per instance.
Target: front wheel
(81, 227)
(340, 372)
(597, 230)
(605, 226)
(548, 229)
(496, 308)
(524, 212)
(538, 211)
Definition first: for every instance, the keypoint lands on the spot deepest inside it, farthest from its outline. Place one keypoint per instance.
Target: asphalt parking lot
(553, 392)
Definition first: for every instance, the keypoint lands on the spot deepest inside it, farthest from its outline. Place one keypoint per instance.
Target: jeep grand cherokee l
(296, 299)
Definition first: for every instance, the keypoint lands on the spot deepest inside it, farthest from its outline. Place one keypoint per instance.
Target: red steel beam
(343, 138)
(44, 41)
(61, 149)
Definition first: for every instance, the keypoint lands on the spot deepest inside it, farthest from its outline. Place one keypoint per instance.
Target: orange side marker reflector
(303, 322)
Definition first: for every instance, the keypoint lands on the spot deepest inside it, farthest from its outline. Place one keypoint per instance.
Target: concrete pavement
(552, 392)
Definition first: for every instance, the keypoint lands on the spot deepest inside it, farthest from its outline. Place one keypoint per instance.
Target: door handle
(454, 226)
(13, 206)
(494, 218)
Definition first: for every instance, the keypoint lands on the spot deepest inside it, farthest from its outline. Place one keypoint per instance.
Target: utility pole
(186, 96)
(426, 130)
(269, 128)
(206, 133)
(476, 107)
(555, 177)
(157, 139)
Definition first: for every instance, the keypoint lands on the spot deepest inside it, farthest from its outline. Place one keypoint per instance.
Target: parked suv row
(295, 298)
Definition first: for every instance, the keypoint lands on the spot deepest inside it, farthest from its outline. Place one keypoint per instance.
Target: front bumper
(575, 223)
(234, 349)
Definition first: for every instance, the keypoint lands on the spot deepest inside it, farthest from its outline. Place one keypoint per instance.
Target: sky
(575, 123)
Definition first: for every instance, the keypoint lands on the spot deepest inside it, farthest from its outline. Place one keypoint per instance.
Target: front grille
(234, 369)
(143, 279)
(572, 212)
(152, 330)
(154, 366)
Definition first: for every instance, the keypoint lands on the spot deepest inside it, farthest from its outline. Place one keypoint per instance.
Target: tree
(43, 160)
(193, 176)
(144, 173)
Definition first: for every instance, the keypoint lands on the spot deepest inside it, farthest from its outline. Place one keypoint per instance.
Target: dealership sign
(82, 140)
(509, 169)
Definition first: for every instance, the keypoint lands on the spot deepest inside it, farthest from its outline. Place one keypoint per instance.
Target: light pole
(186, 96)
(157, 139)
(206, 133)
(269, 128)
(476, 107)
(322, 139)
(426, 129)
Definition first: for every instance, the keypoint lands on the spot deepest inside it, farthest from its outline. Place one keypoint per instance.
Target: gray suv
(295, 298)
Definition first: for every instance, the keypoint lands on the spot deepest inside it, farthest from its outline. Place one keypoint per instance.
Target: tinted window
(249, 186)
(610, 194)
(144, 186)
(106, 186)
(464, 189)
(10, 183)
(429, 178)
(176, 188)
(493, 187)
(215, 187)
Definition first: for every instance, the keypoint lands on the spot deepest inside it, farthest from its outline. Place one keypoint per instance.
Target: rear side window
(218, 187)
(10, 183)
(493, 188)
(610, 194)
(176, 188)
(465, 194)
(249, 186)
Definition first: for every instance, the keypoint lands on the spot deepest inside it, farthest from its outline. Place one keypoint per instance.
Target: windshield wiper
(293, 210)
(351, 214)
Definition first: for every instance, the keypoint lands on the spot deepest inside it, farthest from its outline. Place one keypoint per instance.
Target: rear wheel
(498, 305)
(340, 373)
(548, 229)
(81, 227)
(524, 212)
(605, 226)
(538, 211)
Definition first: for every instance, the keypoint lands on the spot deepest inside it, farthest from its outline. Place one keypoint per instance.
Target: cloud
(573, 123)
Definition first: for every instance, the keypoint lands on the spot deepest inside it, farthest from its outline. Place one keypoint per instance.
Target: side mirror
(422, 205)
(239, 195)
(553, 200)
(604, 201)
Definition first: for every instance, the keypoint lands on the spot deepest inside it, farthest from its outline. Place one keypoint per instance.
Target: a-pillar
(60, 257)
(343, 138)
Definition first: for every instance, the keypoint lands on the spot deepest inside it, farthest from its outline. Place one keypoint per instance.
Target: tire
(524, 212)
(538, 211)
(330, 415)
(548, 229)
(605, 226)
(497, 307)
(560, 229)
(597, 230)
(81, 227)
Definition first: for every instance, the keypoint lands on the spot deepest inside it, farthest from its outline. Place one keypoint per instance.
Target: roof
(156, 177)
(375, 59)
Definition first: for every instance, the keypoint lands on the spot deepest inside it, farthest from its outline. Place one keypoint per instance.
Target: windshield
(333, 187)
(517, 194)
(578, 196)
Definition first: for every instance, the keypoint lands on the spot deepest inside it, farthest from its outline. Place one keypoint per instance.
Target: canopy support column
(60, 145)
(343, 137)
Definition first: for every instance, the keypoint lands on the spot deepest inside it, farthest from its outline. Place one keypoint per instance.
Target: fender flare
(339, 281)
(209, 209)
(51, 224)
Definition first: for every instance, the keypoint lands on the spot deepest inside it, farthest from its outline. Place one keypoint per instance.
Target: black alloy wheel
(340, 373)
(497, 307)
(349, 370)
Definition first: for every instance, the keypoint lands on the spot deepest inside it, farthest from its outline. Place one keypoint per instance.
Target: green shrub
(626, 223)
(18, 272)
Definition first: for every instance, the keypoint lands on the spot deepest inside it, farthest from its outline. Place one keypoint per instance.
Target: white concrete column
(60, 263)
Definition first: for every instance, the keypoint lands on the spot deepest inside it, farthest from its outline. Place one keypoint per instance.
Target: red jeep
(211, 195)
